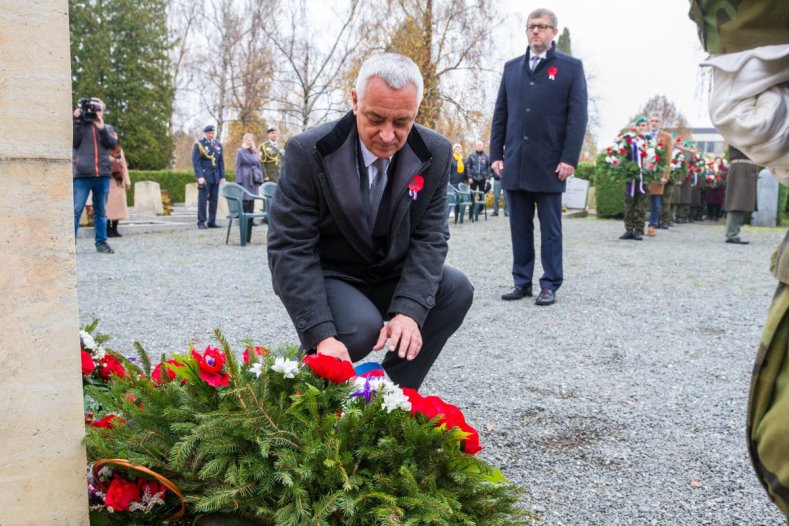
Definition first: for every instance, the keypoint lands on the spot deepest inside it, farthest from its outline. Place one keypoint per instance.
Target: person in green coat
(755, 33)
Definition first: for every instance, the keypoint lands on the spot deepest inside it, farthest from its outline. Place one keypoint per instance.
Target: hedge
(609, 193)
(586, 172)
(173, 181)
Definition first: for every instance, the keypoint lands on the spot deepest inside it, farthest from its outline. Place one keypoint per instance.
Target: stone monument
(42, 474)
(766, 200)
(148, 199)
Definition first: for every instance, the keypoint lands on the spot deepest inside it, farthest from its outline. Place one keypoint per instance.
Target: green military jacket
(768, 404)
(271, 160)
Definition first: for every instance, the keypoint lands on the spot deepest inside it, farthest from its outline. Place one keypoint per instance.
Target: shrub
(586, 171)
(610, 191)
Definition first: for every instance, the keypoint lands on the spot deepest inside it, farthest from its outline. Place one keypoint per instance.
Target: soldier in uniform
(271, 156)
(635, 195)
(753, 36)
(209, 166)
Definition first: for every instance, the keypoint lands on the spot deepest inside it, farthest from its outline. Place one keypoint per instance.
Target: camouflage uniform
(666, 200)
(730, 26)
(635, 209)
(768, 404)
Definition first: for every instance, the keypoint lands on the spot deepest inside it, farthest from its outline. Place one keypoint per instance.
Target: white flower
(87, 340)
(256, 369)
(395, 399)
(288, 368)
(99, 352)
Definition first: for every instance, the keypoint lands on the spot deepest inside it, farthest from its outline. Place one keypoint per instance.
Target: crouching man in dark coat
(358, 230)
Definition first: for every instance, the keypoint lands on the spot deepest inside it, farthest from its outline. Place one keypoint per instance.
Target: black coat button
(301, 324)
(430, 301)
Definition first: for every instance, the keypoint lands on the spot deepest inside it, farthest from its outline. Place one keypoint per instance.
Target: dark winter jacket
(90, 155)
(478, 166)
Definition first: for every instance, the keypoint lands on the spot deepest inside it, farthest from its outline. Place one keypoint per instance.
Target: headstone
(766, 200)
(574, 195)
(42, 473)
(190, 196)
(147, 199)
(222, 210)
(591, 199)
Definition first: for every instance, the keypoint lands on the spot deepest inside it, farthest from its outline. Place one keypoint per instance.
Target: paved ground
(623, 403)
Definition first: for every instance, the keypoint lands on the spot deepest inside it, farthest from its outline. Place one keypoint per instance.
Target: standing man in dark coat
(478, 170)
(537, 133)
(358, 230)
(209, 166)
(740, 193)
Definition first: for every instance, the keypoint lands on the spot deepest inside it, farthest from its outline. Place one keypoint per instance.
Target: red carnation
(109, 365)
(449, 415)
(108, 422)
(330, 367)
(643, 153)
(657, 158)
(211, 362)
(608, 149)
(622, 151)
(87, 363)
(660, 145)
(157, 371)
(121, 494)
(628, 139)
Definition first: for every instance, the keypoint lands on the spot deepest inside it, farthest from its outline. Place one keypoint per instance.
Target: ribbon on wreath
(631, 186)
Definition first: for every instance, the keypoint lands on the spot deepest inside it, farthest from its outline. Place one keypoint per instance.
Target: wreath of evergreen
(272, 441)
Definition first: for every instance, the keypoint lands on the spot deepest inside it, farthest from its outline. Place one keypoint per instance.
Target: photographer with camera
(92, 141)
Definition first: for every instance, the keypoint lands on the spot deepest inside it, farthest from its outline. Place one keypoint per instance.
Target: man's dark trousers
(359, 312)
(549, 212)
(207, 195)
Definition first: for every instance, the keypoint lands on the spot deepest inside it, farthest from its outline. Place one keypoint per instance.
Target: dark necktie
(377, 189)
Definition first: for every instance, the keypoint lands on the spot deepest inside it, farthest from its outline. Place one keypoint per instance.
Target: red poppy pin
(552, 71)
(415, 186)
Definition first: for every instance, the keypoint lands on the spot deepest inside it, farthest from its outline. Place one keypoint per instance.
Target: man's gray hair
(394, 69)
(537, 13)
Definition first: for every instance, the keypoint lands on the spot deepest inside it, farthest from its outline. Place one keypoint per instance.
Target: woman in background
(116, 198)
(249, 174)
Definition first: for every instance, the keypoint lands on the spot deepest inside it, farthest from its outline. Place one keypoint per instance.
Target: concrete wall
(42, 464)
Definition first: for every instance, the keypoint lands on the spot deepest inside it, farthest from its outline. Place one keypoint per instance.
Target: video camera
(89, 109)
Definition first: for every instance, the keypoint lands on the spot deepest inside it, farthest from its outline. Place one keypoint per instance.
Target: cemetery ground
(624, 403)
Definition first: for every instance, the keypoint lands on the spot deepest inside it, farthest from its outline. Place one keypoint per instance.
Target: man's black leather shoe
(546, 297)
(213, 225)
(517, 293)
(737, 241)
(202, 227)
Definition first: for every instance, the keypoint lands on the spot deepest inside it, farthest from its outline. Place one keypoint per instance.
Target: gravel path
(622, 404)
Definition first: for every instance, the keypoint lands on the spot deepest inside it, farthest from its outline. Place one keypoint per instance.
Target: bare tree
(312, 68)
(450, 41)
(672, 118)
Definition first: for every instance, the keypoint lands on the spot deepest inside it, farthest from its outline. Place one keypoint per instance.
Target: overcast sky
(632, 49)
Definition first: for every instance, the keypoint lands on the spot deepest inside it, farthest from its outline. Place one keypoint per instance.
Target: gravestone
(766, 200)
(591, 199)
(42, 472)
(148, 199)
(574, 195)
(190, 196)
(222, 210)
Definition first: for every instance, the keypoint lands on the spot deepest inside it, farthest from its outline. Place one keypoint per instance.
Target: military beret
(209, 127)
(640, 120)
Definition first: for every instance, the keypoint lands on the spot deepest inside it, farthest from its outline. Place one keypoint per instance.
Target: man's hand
(201, 181)
(77, 113)
(497, 167)
(470, 181)
(404, 337)
(663, 180)
(222, 181)
(333, 347)
(99, 122)
(564, 170)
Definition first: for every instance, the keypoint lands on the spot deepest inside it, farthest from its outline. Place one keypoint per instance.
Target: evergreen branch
(145, 360)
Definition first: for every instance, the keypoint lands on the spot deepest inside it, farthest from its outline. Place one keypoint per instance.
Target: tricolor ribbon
(637, 158)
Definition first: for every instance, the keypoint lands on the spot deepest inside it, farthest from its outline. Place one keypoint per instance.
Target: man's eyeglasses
(538, 27)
